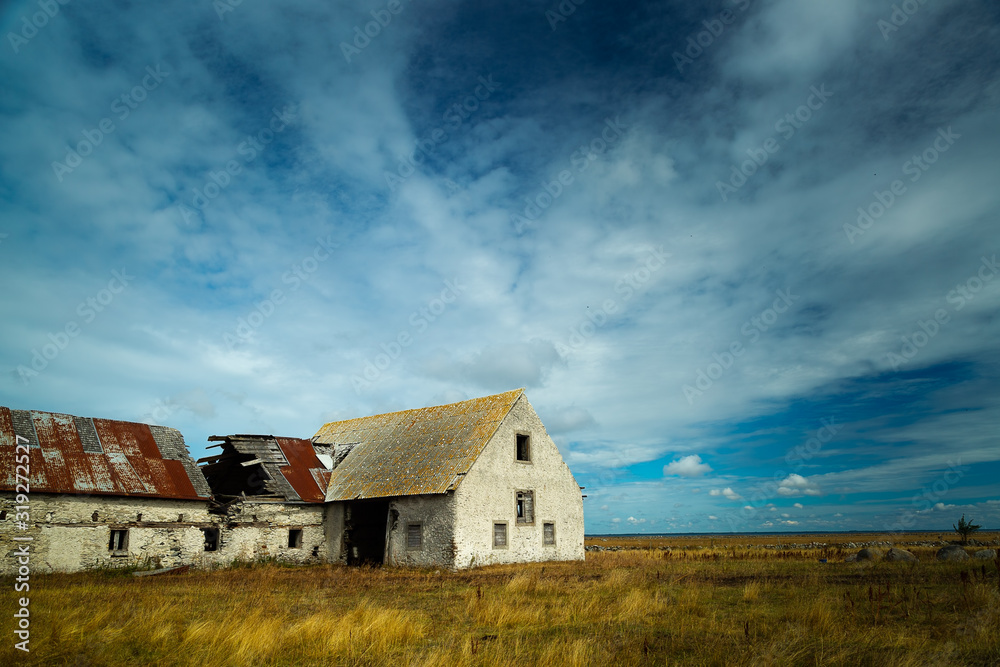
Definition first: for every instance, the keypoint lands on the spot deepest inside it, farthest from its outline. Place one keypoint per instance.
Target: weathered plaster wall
(436, 514)
(334, 530)
(67, 538)
(260, 530)
(488, 494)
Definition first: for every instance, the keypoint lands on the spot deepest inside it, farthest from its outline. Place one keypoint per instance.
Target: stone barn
(454, 486)
(460, 485)
(97, 493)
(93, 493)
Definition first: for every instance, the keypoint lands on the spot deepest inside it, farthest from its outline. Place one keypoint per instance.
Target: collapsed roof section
(267, 467)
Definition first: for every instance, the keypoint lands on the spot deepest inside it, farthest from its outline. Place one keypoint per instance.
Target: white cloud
(712, 517)
(797, 485)
(688, 466)
(632, 520)
(727, 492)
(799, 505)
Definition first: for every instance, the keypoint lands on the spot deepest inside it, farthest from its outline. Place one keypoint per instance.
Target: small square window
(526, 507)
(549, 534)
(500, 535)
(294, 538)
(523, 447)
(211, 538)
(414, 536)
(118, 544)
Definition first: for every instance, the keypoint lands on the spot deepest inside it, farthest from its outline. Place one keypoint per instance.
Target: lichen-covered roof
(83, 456)
(422, 451)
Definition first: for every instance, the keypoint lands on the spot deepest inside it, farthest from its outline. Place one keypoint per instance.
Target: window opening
(526, 507)
(294, 538)
(499, 535)
(523, 447)
(118, 544)
(211, 538)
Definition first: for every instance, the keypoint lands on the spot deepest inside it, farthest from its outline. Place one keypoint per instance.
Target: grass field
(705, 601)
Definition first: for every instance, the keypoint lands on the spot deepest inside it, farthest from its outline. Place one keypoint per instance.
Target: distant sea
(943, 531)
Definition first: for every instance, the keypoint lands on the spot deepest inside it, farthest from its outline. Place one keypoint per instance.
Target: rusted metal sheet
(301, 461)
(129, 462)
(422, 451)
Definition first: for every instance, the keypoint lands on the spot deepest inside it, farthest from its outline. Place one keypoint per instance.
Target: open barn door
(365, 531)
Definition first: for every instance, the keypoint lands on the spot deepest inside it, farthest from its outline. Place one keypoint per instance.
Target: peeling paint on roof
(110, 457)
(422, 451)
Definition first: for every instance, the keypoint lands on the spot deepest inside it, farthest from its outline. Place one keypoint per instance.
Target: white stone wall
(436, 515)
(488, 492)
(67, 538)
(260, 530)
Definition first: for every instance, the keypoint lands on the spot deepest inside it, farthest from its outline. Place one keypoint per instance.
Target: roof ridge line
(426, 407)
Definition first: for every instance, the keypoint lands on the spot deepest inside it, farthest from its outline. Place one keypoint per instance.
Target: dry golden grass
(718, 605)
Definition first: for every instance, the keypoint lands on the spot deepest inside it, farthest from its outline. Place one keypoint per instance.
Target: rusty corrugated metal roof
(84, 456)
(412, 452)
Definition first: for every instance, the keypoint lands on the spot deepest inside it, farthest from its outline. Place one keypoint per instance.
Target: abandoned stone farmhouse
(457, 485)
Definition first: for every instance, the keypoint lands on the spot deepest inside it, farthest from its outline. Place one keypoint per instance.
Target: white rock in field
(985, 554)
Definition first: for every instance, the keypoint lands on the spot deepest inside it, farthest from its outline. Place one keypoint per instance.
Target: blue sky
(742, 255)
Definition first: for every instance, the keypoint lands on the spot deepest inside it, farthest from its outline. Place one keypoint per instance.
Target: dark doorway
(364, 531)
